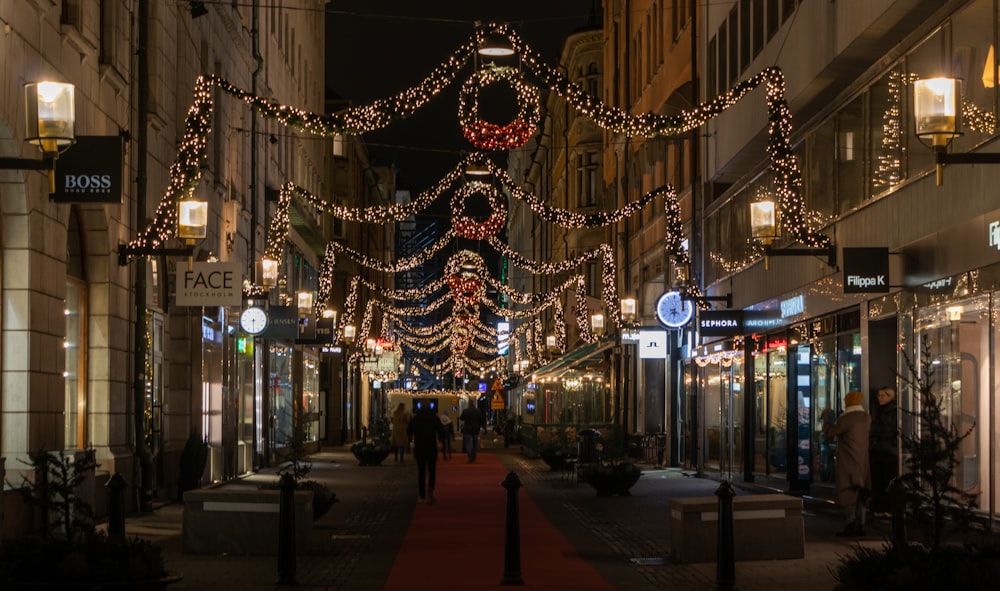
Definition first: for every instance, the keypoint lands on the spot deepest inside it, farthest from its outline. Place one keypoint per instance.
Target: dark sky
(377, 48)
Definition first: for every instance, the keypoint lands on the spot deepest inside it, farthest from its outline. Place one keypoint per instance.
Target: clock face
(253, 320)
(673, 311)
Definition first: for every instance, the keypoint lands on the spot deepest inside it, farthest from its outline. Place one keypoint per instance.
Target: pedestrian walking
(425, 429)
(852, 482)
(883, 454)
(449, 434)
(400, 438)
(472, 424)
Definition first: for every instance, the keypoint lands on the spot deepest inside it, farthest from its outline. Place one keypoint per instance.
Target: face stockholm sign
(866, 270)
(209, 284)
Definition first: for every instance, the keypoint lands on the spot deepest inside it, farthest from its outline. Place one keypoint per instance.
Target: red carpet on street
(458, 541)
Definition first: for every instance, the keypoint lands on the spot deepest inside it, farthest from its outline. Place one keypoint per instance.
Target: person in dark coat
(851, 431)
(883, 454)
(425, 430)
(472, 424)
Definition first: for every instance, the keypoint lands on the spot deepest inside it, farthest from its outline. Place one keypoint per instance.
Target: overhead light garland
(467, 227)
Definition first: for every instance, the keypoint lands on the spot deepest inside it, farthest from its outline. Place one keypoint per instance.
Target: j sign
(210, 284)
(866, 270)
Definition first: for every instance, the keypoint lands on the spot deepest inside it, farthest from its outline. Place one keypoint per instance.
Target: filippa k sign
(209, 284)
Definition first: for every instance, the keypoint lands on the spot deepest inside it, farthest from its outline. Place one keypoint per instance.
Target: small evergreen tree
(931, 457)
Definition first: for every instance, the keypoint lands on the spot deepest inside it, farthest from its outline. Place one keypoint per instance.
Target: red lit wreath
(490, 136)
(465, 226)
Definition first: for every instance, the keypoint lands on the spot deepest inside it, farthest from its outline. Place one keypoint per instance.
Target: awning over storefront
(586, 358)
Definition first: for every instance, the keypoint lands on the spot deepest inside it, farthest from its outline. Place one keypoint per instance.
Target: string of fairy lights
(526, 81)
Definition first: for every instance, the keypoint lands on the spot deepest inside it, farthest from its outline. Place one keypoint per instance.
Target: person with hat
(851, 474)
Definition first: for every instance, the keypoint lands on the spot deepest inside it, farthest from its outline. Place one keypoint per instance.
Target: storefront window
(310, 395)
(282, 396)
(957, 337)
(824, 402)
(75, 310)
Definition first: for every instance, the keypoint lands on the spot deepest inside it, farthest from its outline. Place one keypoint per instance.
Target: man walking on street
(472, 424)
(425, 429)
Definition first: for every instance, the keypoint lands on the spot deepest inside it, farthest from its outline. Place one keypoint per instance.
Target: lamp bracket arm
(125, 252)
(46, 163)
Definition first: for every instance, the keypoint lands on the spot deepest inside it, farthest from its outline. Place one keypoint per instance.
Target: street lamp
(50, 114)
(192, 224)
(764, 228)
(597, 324)
(268, 273)
(628, 306)
(937, 116)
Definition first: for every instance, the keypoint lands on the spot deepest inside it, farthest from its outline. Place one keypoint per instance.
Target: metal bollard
(286, 531)
(512, 534)
(116, 506)
(725, 568)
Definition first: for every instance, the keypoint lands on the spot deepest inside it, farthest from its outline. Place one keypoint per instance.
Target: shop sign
(866, 270)
(759, 321)
(720, 323)
(209, 284)
(942, 285)
(652, 344)
(322, 336)
(793, 306)
(503, 338)
(90, 171)
(282, 323)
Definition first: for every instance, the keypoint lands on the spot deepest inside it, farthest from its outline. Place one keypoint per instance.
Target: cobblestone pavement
(627, 539)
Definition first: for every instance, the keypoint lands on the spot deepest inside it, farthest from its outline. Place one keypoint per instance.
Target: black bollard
(898, 506)
(512, 534)
(286, 531)
(725, 568)
(116, 506)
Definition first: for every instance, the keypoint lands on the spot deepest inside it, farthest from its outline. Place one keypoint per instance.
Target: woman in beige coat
(400, 440)
(851, 431)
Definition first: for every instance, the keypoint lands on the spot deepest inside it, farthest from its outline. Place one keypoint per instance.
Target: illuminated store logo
(994, 235)
(793, 306)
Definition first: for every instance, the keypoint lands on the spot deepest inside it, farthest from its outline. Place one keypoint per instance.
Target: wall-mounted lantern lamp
(268, 273)
(682, 284)
(550, 343)
(764, 228)
(937, 111)
(954, 313)
(597, 324)
(350, 332)
(628, 310)
(192, 225)
(50, 125)
(304, 303)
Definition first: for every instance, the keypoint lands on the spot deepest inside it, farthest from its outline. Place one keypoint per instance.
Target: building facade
(87, 367)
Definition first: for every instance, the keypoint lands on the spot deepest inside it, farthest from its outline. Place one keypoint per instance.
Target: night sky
(377, 48)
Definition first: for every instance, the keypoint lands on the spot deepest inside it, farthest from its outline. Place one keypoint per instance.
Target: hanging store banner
(209, 284)
(282, 323)
(323, 334)
(866, 270)
(90, 171)
(720, 323)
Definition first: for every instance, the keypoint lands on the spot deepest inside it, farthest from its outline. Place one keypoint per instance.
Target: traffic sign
(497, 385)
(496, 403)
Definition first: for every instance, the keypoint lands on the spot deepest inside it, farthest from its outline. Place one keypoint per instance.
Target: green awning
(588, 357)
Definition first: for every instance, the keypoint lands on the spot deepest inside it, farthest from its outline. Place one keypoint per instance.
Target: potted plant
(372, 451)
(68, 553)
(612, 477)
(554, 445)
(927, 497)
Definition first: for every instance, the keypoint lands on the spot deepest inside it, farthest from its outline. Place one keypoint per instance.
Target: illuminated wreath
(490, 136)
(465, 226)
(466, 291)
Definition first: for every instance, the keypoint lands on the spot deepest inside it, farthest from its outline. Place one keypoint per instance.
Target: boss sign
(209, 284)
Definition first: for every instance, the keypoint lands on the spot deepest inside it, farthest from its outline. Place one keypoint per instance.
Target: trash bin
(588, 451)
